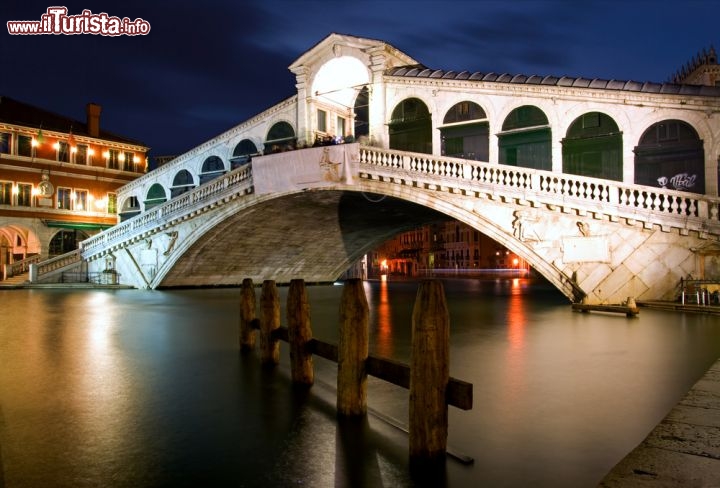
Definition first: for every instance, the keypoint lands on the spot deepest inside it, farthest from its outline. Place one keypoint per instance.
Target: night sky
(208, 65)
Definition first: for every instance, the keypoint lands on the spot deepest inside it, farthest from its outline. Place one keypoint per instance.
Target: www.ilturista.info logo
(57, 21)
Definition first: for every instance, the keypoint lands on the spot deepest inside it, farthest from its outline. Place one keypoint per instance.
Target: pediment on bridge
(337, 45)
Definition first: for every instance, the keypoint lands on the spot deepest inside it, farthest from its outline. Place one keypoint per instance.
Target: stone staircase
(15, 281)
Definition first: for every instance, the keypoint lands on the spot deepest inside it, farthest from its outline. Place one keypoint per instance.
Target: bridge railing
(667, 208)
(237, 181)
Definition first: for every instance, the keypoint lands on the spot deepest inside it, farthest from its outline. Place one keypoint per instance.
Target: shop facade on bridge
(663, 135)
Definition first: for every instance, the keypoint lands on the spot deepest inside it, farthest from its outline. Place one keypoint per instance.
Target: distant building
(450, 246)
(58, 179)
(703, 69)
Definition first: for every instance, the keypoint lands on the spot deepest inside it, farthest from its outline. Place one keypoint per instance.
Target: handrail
(236, 182)
(689, 211)
(58, 262)
(652, 206)
(19, 267)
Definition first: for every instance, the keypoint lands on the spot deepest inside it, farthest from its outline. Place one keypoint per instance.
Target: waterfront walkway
(683, 450)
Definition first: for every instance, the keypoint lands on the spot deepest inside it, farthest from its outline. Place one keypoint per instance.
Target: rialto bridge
(607, 188)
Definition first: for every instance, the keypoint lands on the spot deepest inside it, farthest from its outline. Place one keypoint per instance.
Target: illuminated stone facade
(59, 179)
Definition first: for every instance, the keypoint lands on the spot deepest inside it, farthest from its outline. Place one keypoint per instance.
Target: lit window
(64, 198)
(5, 193)
(25, 146)
(24, 194)
(128, 161)
(113, 159)
(81, 200)
(112, 203)
(63, 152)
(5, 143)
(81, 154)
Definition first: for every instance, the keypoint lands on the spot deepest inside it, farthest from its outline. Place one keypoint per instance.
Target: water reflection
(147, 388)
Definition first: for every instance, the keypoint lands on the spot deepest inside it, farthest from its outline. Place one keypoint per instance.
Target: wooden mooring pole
(299, 334)
(429, 374)
(353, 350)
(269, 322)
(247, 315)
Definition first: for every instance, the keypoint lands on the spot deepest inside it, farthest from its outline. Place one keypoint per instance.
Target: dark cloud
(207, 66)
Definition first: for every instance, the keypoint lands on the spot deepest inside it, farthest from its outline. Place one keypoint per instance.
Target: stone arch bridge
(311, 213)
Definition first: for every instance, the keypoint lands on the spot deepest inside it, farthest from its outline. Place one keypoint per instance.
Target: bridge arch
(593, 147)
(243, 152)
(410, 126)
(280, 137)
(129, 207)
(326, 247)
(212, 167)
(156, 195)
(182, 183)
(526, 139)
(670, 154)
(465, 132)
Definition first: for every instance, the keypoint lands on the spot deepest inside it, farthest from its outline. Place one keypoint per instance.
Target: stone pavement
(683, 450)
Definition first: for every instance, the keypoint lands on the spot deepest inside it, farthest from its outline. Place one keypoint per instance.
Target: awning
(77, 225)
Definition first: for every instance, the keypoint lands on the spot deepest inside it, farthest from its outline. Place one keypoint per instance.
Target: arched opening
(66, 240)
(362, 113)
(212, 168)
(130, 208)
(243, 153)
(281, 137)
(182, 183)
(465, 132)
(411, 127)
(525, 140)
(593, 147)
(155, 196)
(670, 155)
(335, 89)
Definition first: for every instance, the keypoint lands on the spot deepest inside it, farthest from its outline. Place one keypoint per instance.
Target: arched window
(281, 137)
(465, 132)
(182, 183)
(670, 155)
(243, 153)
(411, 127)
(130, 208)
(212, 168)
(155, 196)
(525, 139)
(593, 147)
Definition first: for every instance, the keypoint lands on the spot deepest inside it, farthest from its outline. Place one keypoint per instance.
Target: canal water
(130, 388)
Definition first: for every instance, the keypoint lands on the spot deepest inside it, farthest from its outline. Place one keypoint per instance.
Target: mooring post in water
(247, 315)
(352, 350)
(269, 322)
(299, 333)
(429, 373)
